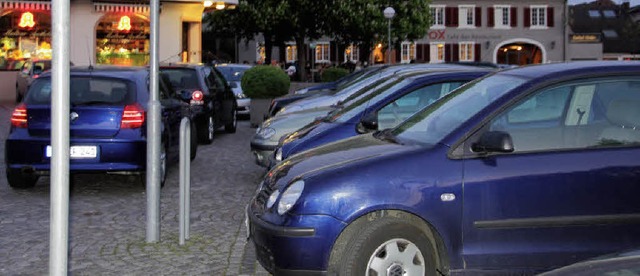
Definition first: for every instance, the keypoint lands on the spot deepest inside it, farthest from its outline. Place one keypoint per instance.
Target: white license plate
(78, 151)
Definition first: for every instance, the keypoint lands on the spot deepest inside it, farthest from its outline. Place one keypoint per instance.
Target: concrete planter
(258, 111)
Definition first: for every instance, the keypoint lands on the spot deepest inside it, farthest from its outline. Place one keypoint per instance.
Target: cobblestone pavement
(107, 218)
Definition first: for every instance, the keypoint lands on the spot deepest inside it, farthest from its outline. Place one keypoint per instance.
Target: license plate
(78, 151)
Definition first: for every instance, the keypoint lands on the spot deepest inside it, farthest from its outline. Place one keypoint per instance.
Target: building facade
(505, 32)
(103, 32)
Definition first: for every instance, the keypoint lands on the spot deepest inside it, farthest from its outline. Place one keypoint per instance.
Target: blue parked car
(524, 170)
(107, 125)
(384, 108)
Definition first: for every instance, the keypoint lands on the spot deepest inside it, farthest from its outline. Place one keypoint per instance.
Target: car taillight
(36, 76)
(132, 116)
(197, 95)
(19, 116)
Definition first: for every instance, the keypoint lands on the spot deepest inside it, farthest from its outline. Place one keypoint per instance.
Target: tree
(361, 22)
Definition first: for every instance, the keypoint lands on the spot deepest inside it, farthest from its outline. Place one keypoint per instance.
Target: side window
(402, 108)
(26, 67)
(577, 115)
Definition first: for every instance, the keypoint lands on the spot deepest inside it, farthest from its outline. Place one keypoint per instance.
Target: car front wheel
(20, 180)
(385, 243)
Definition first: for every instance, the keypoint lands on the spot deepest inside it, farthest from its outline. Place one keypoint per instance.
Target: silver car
(233, 74)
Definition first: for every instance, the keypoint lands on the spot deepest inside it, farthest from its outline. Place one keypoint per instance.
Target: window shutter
(478, 17)
(451, 17)
(447, 52)
(419, 52)
(476, 52)
(514, 17)
(426, 52)
(398, 54)
(527, 17)
(332, 51)
(550, 17)
(456, 52)
(490, 17)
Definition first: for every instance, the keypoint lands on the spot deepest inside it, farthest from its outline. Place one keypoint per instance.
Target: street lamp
(389, 13)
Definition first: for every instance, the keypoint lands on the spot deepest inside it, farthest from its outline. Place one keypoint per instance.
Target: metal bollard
(185, 178)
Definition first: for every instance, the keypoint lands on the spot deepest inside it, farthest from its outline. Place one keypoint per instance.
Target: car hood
(337, 155)
(287, 123)
(315, 101)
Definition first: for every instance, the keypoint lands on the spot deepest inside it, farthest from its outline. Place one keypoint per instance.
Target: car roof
(234, 65)
(182, 65)
(124, 72)
(558, 70)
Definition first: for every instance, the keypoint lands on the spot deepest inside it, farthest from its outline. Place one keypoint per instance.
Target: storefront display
(24, 34)
(122, 39)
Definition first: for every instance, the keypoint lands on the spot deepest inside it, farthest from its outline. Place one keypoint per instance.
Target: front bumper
(302, 247)
(243, 106)
(263, 153)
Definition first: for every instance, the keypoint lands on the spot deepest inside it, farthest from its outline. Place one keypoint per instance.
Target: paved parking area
(108, 218)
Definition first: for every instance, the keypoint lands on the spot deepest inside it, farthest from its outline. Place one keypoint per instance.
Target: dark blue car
(107, 125)
(524, 170)
(385, 108)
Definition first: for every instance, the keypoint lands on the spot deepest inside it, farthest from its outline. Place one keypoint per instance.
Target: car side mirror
(368, 123)
(494, 141)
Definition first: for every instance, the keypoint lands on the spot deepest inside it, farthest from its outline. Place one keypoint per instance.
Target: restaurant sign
(585, 38)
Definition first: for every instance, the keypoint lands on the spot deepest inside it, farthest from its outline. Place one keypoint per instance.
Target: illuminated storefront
(25, 31)
(122, 39)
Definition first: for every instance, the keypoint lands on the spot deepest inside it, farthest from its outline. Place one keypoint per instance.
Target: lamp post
(389, 13)
(313, 64)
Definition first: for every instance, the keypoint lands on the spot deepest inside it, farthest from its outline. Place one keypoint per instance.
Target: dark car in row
(518, 172)
(107, 124)
(209, 94)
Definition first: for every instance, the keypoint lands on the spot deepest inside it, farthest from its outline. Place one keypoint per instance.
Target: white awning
(121, 8)
(26, 5)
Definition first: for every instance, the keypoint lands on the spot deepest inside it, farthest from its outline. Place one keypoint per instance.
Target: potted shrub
(333, 74)
(262, 84)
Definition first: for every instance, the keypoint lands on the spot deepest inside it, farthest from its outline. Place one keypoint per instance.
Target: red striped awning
(26, 5)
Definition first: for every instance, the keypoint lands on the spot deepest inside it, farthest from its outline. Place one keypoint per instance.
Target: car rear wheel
(163, 168)
(231, 127)
(207, 130)
(385, 243)
(20, 180)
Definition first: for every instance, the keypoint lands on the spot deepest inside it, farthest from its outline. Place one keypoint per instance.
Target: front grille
(263, 194)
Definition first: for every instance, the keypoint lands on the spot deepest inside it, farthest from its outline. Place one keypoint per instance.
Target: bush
(264, 82)
(333, 74)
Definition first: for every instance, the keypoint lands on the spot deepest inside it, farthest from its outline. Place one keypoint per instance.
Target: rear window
(86, 91)
(231, 73)
(182, 78)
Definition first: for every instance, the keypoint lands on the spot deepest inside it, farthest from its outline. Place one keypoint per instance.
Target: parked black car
(210, 96)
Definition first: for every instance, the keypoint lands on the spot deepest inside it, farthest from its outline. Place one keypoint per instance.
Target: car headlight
(278, 154)
(290, 196)
(265, 133)
(240, 96)
(272, 199)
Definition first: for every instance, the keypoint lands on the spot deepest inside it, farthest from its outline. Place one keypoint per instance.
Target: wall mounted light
(553, 44)
(486, 45)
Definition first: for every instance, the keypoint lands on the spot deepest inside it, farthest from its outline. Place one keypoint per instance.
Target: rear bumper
(112, 156)
(243, 106)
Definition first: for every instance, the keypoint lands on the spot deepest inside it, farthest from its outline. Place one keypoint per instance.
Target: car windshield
(359, 104)
(85, 91)
(432, 124)
(182, 78)
(232, 73)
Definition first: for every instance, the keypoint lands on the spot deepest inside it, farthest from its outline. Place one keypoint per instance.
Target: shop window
(322, 52)
(467, 51)
(437, 14)
(292, 53)
(437, 52)
(25, 34)
(408, 52)
(122, 40)
(260, 53)
(352, 53)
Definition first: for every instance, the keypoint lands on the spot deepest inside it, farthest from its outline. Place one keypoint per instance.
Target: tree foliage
(359, 22)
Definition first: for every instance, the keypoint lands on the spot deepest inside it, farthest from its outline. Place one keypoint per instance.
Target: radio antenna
(89, 54)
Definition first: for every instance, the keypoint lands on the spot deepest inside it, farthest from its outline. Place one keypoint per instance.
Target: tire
(231, 127)
(194, 142)
(163, 168)
(19, 180)
(382, 242)
(207, 130)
